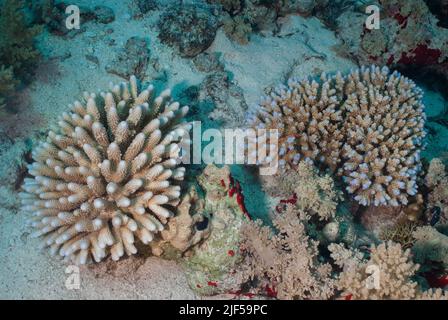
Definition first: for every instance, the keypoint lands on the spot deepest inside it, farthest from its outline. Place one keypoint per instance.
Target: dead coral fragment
(285, 261)
(367, 127)
(108, 175)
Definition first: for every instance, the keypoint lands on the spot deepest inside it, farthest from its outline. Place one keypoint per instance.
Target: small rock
(104, 14)
(188, 28)
(289, 25)
(208, 62)
(133, 59)
(93, 59)
(216, 87)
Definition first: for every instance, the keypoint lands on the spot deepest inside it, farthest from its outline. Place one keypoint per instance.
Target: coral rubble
(108, 176)
(366, 126)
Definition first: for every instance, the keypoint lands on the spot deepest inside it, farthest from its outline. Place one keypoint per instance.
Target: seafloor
(73, 63)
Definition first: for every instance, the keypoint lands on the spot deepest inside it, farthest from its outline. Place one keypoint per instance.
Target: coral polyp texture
(384, 128)
(306, 114)
(109, 175)
(368, 127)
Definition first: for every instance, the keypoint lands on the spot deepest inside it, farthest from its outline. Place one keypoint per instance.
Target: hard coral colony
(108, 174)
(367, 127)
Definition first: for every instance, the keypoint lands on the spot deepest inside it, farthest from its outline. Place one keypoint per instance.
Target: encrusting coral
(367, 126)
(108, 174)
(208, 269)
(182, 232)
(387, 274)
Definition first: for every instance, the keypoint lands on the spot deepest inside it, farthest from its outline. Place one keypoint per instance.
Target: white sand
(28, 273)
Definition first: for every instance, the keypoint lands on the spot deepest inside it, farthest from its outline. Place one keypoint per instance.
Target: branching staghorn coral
(387, 274)
(367, 127)
(285, 262)
(108, 174)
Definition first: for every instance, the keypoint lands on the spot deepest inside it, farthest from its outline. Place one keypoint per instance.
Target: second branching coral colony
(367, 127)
(108, 174)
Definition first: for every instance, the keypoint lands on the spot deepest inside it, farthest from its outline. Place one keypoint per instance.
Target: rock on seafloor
(188, 28)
